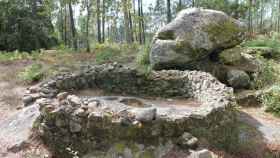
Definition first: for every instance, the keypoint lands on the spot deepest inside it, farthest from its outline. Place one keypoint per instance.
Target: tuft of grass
(271, 99)
(32, 73)
(143, 60)
(268, 75)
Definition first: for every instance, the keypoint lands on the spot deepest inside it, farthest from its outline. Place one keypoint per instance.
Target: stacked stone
(67, 120)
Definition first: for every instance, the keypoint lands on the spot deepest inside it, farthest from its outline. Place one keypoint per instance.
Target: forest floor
(12, 89)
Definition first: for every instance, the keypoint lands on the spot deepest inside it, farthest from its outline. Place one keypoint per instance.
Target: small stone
(27, 100)
(75, 127)
(187, 141)
(80, 112)
(62, 96)
(93, 105)
(145, 114)
(74, 100)
(34, 89)
(202, 154)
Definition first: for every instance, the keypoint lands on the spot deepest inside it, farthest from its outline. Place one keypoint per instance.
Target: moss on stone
(119, 147)
(149, 153)
(231, 56)
(223, 30)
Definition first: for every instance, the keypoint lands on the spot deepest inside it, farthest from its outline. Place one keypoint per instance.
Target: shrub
(268, 74)
(271, 99)
(271, 42)
(143, 60)
(32, 73)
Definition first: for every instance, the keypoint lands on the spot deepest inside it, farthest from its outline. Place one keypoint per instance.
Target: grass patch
(271, 99)
(268, 74)
(264, 42)
(16, 55)
(32, 73)
(143, 60)
(122, 53)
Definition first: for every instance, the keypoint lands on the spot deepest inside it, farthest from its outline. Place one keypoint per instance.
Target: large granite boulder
(193, 35)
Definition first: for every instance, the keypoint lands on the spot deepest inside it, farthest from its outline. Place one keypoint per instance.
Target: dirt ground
(12, 89)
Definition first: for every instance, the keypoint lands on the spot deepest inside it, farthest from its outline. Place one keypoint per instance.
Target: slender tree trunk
(193, 3)
(99, 38)
(261, 16)
(135, 23)
(278, 25)
(72, 24)
(130, 26)
(65, 26)
(169, 18)
(126, 21)
(143, 24)
(103, 20)
(87, 25)
(250, 29)
(140, 22)
(180, 6)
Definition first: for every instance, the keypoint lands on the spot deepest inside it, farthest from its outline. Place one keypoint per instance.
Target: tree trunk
(130, 26)
(140, 22)
(126, 21)
(99, 39)
(169, 18)
(72, 24)
(143, 24)
(87, 25)
(261, 16)
(180, 6)
(193, 3)
(65, 26)
(250, 17)
(278, 25)
(103, 20)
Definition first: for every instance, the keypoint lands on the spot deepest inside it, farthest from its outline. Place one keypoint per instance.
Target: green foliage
(32, 73)
(113, 52)
(268, 75)
(266, 42)
(271, 99)
(25, 26)
(143, 60)
(16, 55)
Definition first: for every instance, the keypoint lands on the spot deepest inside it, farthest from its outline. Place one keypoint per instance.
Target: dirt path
(267, 124)
(11, 92)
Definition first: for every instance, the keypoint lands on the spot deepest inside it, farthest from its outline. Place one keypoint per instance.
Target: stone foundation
(127, 126)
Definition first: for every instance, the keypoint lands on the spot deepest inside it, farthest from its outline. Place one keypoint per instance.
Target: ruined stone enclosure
(142, 116)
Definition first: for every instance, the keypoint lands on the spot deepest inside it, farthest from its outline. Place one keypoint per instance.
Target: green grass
(266, 42)
(143, 60)
(271, 100)
(16, 55)
(268, 74)
(32, 73)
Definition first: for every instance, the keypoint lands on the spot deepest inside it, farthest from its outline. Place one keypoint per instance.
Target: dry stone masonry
(131, 127)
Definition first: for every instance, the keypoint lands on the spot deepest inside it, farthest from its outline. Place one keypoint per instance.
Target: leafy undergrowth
(32, 73)
(271, 99)
(266, 42)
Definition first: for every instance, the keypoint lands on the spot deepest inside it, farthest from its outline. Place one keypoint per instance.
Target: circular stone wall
(123, 125)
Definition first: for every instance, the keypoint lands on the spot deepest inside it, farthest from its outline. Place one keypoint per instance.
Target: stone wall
(69, 122)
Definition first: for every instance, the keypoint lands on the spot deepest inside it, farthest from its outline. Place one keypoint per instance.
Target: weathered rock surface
(238, 58)
(17, 129)
(117, 126)
(238, 79)
(193, 35)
